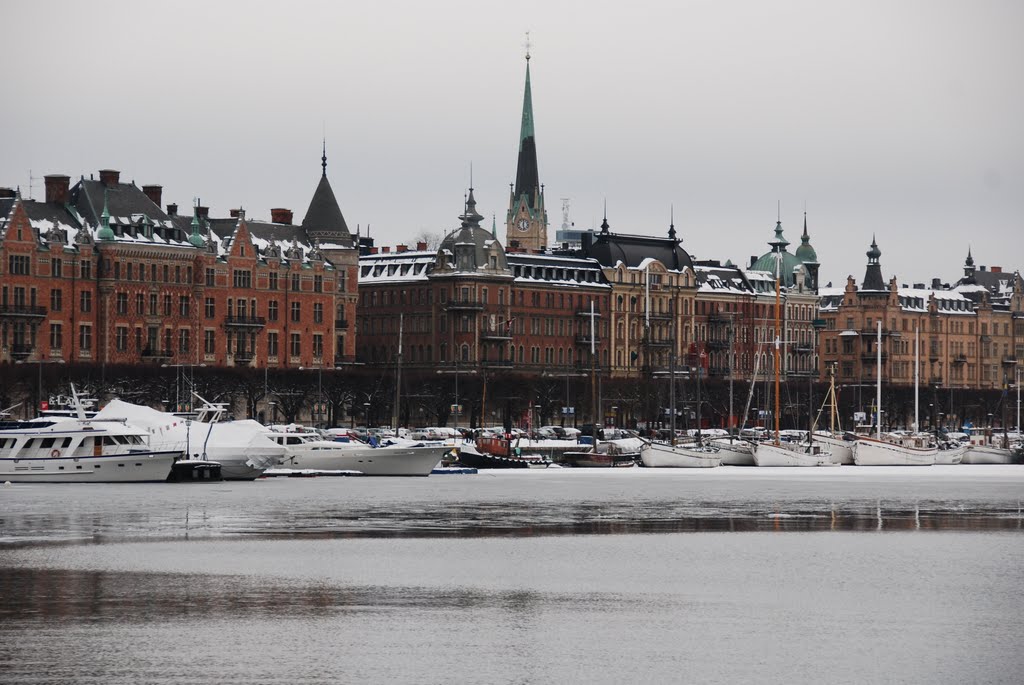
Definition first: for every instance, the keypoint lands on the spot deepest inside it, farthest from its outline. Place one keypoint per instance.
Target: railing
(586, 313)
(256, 321)
(467, 303)
(584, 339)
(960, 359)
(342, 359)
(661, 316)
(1009, 361)
(871, 358)
(150, 354)
(803, 348)
(21, 351)
(496, 335)
(22, 310)
(244, 357)
(718, 344)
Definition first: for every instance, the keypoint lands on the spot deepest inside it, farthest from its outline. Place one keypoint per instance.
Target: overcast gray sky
(900, 118)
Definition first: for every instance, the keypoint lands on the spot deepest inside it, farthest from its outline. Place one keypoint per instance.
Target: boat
(80, 450)
(950, 453)
(984, 448)
(776, 452)
(840, 444)
(607, 453)
(470, 456)
(734, 451)
(240, 447)
(894, 449)
(305, 449)
(694, 455)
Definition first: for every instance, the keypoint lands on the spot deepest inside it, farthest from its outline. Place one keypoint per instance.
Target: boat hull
(370, 461)
(676, 457)
(872, 452)
(952, 455)
(988, 454)
(599, 459)
(469, 456)
(842, 450)
(734, 452)
(767, 454)
(118, 468)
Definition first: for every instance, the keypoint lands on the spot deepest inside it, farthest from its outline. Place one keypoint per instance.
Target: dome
(778, 262)
(472, 247)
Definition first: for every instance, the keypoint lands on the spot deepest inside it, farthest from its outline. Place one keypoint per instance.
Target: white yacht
(305, 449)
(895, 449)
(792, 454)
(80, 450)
(986, 448)
(240, 447)
(734, 452)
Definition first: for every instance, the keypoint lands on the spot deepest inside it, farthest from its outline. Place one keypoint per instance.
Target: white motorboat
(306, 450)
(663, 455)
(734, 452)
(989, 454)
(840, 447)
(792, 454)
(241, 447)
(894, 449)
(80, 450)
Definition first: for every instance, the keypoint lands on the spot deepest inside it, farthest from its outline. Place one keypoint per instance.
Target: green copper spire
(195, 239)
(527, 176)
(526, 128)
(105, 232)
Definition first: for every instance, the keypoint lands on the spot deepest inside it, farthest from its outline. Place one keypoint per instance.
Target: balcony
(498, 335)
(660, 316)
(584, 339)
(21, 351)
(1009, 361)
(244, 322)
(873, 357)
(804, 348)
(244, 357)
(344, 359)
(470, 304)
(341, 324)
(960, 359)
(718, 344)
(586, 313)
(658, 343)
(935, 380)
(719, 319)
(152, 355)
(21, 311)
(497, 364)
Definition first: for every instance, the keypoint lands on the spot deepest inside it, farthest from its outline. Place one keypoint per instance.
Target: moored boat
(696, 455)
(894, 450)
(734, 452)
(792, 454)
(305, 450)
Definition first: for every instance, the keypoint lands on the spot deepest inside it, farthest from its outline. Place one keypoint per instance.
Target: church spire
(527, 176)
(323, 158)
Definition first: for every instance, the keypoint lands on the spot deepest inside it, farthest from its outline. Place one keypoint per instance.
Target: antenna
(565, 214)
(779, 209)
(31, 179)
(527, 45)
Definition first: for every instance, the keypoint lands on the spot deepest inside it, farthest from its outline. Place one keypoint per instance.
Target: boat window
(87, 442)
(3, 443)
(294, 441)
(46, 443)
(66, 443)
(109, 440)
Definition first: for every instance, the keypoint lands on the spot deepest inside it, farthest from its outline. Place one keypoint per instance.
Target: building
(971, 333)
(102, 273)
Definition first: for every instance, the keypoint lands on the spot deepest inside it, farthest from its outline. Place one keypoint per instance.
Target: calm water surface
(730, 575)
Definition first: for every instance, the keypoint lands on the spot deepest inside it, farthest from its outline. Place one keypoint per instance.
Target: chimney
(109, 177)
(421, 246)
(172, 210)
(280, 215)
(936, 284)
(203, 212)
(402, 248)
(234, 213)
(373, 250)
(7, 194)
(386, 249)
(997, 269)
(57, 188)
(982, 268)
(154, 193)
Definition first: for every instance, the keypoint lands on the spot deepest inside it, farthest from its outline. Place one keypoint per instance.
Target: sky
(903, 119)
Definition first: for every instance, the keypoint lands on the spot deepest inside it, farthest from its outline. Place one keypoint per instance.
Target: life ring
(55, 454)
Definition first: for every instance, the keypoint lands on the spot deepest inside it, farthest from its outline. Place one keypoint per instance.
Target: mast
(778, 342)
(593, 372)
(878, 383)
(700, 367)
(672, 389)
(398, 375)
(917, 371)
(732, 323)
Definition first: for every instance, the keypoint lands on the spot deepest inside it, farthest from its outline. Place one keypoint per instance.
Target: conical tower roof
(527, 176)
(324, 221)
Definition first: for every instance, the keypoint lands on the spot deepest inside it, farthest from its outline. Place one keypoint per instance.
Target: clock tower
(526, 226)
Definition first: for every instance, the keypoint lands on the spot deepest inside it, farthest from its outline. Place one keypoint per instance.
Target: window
(296, 312)
(295, 282)
(56, 336)
(342, 281)
(242, 278)
(296, 344)
(209, 346)
(167, 305)
(57, 268)
(273, 280)
(85, 338)
(177, 274)
(272, 344)
(18, 265)
(85, 302)
(122, 303)
(210, 277)
(318, 345)
(272, 310)
(183, 305)
(56, 300)
(152, 303)
(167, 274)
(183, 340)
(318, 284)
(318, 312)
(121, 339)
(85, 269)
(210, 308)
(140, 304)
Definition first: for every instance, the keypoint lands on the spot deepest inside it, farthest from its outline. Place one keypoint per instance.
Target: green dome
(805, 253)
(778, 263)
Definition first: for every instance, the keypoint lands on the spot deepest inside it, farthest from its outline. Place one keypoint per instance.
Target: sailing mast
(593, 373)
(778, 342)
(917, 371)
(878, 383)
(398, 375)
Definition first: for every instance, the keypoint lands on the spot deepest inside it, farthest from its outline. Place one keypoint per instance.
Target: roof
(527, 176)
(610, 248)
(323, 220)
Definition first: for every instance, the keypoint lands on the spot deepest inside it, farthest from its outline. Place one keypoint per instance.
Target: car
(571, 433)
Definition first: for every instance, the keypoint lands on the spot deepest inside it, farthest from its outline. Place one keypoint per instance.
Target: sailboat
(892, 449)
(777, 453)
(733, 450)
(841, 448)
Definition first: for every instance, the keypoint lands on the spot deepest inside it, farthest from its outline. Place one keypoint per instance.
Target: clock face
(524, 224)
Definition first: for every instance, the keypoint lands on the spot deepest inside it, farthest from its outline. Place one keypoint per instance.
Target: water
(723, 575)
